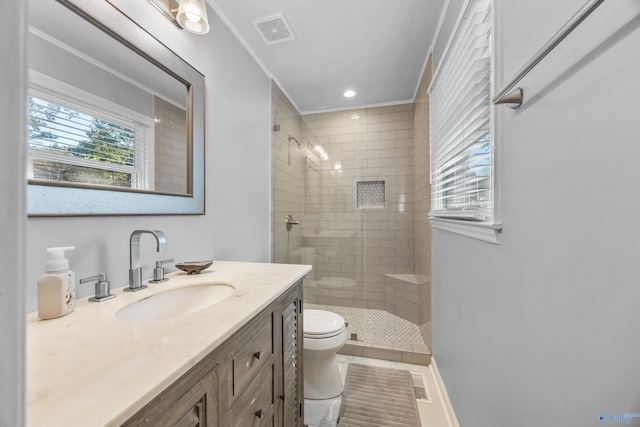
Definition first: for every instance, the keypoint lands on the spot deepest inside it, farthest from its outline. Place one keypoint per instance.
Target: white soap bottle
(57, 287)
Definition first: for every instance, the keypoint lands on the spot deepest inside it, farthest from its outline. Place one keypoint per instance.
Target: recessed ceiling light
(350, 93)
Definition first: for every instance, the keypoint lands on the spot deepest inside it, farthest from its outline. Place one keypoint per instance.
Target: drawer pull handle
(257, 355)
(282, 397)
(260, 414)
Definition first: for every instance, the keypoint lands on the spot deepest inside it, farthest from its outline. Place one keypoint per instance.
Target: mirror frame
(63, 200)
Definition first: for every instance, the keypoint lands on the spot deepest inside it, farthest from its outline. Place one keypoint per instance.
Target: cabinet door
(197, 407)
(288, 381)
(290, 362)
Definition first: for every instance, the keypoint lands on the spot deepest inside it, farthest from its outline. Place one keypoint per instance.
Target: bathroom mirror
(115, 118)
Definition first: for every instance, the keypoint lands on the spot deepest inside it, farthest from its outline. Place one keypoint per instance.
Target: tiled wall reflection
(170, 147)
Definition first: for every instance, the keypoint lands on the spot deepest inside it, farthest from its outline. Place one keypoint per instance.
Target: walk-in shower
(352, 183)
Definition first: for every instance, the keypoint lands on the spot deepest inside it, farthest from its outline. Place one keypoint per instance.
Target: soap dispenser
(57, 287)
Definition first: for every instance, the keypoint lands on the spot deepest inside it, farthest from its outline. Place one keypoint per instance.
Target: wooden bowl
(194, 267)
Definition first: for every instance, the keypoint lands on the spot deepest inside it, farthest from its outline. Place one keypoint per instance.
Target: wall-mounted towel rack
(514, 97)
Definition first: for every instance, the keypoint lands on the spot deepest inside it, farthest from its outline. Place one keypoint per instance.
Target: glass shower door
(343, 203)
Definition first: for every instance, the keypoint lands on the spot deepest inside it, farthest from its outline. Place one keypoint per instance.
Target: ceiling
(377, 48)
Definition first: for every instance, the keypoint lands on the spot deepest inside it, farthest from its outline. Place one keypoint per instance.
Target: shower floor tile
(375, 326)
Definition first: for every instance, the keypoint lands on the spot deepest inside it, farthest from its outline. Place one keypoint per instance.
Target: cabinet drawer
(255, 406)
(249, 359)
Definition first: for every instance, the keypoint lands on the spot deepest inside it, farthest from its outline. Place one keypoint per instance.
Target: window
(462, 145)
(73, 138)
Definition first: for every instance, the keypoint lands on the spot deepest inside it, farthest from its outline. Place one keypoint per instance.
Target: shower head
(297, 142)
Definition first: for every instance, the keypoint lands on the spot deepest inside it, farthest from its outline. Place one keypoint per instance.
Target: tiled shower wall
(360, 187)
(356, 247)
(288, 166)
(422, 201)
(422, 188)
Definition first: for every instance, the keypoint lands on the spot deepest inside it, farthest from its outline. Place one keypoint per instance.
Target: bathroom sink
(175, 303)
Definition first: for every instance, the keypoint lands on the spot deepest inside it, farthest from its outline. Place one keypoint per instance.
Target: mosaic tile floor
(373, 325)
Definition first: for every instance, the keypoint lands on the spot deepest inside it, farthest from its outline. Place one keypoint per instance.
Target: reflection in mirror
(111, 110)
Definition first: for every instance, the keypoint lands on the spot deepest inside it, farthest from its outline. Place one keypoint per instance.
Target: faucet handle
(158, 272)
(102, 288)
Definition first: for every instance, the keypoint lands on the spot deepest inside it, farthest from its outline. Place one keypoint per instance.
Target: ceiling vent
(274, 29)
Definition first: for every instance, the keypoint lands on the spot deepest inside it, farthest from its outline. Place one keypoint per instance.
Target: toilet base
(322, 378)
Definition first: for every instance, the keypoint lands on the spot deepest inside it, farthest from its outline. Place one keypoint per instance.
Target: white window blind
(460, 108)
(73, 141)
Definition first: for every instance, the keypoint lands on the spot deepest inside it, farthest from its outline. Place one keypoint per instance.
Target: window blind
(73, 143)
(57, 129)
(460, 117)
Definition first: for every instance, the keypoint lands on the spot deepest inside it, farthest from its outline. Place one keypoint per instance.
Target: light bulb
(192, 13)
(192, 16)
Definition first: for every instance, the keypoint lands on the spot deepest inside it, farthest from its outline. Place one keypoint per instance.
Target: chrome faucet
(135, 271)
(290, 222)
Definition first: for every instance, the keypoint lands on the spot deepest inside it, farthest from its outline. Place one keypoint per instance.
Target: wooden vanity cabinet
(254, 378)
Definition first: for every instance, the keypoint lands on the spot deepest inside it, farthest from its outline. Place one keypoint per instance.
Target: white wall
(542, 330)
(236, 224)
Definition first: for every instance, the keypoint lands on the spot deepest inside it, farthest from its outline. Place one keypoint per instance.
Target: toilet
(324, 334)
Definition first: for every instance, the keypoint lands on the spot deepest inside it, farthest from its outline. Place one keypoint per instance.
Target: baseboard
(441, 390)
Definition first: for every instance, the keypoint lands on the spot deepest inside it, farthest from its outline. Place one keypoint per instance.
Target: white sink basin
(175, 303)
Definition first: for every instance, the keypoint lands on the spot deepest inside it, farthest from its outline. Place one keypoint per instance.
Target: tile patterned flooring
(374, 326)
(433, 413)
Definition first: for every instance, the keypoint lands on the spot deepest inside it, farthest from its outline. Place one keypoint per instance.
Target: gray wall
(447, 24)
(12, 210)
(542, 330)
(61, 65)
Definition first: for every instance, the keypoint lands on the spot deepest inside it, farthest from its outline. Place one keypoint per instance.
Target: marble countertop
(88, 368)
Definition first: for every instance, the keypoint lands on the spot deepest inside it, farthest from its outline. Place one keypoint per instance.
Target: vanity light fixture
(188, 14)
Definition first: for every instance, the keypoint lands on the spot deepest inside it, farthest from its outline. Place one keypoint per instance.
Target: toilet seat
(323, 336)
(320, 324)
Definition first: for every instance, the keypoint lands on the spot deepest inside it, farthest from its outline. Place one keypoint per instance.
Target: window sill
(487, 232)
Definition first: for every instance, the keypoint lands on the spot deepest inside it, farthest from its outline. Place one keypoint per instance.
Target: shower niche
(370, 194)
